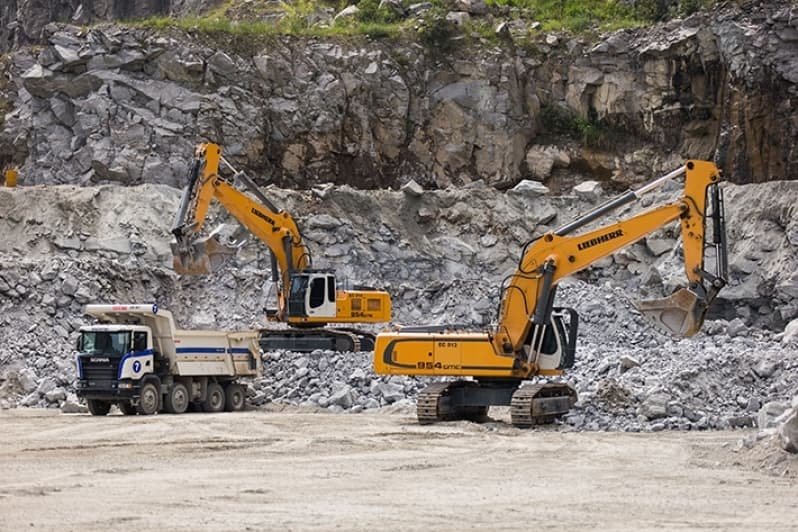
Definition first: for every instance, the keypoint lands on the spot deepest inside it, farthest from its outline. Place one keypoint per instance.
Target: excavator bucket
(680, 314)
(202, 256)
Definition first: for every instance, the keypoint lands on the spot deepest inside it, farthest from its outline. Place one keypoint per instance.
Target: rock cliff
(124, 104)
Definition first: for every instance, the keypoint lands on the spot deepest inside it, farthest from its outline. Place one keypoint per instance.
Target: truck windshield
(105, 343)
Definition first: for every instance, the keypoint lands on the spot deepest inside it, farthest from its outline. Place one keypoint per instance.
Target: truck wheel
(215, 400)
(98, 407)
(176, 401)
(233, 398)
(127, 408)
(149, 401)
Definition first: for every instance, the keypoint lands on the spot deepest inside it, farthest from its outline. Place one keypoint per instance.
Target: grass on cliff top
(577, 16)
(224, 26)
(296, 20)
(240, 19)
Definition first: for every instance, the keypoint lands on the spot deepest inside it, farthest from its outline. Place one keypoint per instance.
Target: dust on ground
(299, 470)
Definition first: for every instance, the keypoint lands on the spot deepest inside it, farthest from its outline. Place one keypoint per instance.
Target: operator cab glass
(105, 342)
(312, 294)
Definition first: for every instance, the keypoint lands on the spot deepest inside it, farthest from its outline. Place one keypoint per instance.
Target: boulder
(348, 12)
(660, 246)
(655, 405)
(473, 7)
(790, 332)
(394, 6)
(588, 190)
(788, 433)
(390, 392)
(531, 188)
(540, 160)
(419, 8)
(342, 397)
(413, 189)
(628, 362)
(769, 412)
(459, 18)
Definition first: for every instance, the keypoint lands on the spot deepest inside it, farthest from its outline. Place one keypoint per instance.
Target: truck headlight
(125, 385)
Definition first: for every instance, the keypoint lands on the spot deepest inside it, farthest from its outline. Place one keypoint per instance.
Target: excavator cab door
(557, 347)
(312, 295)
(566, 322)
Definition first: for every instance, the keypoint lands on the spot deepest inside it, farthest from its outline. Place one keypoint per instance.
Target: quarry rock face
(113, 104)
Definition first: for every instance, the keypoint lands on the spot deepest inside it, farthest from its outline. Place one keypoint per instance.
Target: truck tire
(234, 397)
(214, 402)
(98, 407)
(149, 400)
(177, 399)
(127, 408)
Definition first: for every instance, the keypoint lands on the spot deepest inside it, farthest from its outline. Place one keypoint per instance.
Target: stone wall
(115, 104)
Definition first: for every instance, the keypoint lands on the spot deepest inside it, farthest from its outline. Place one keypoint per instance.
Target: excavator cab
(556, 348)
(312, 294)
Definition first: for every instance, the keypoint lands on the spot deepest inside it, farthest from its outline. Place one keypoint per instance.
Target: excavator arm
(276, 228)
(527, 298)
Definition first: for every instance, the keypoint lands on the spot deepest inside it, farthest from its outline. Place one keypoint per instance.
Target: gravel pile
(327, 379)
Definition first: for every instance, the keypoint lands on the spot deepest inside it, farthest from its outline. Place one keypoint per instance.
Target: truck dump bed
(190, 353)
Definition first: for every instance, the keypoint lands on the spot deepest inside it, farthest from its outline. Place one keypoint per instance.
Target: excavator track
(435, 404)
(307, 340)
(540, 404)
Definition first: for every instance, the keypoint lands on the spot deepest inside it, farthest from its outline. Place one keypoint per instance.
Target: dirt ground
(295, 471)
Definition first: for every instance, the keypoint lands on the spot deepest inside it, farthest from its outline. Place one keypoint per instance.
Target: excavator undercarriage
(305, 339)
(534, 404)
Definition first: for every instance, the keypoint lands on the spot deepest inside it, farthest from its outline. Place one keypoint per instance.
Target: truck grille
(102, 371)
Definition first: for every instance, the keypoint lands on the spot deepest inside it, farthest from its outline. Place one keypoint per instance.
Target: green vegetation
(301, 18)
(298, 19)
(581, 15)
(591, 132)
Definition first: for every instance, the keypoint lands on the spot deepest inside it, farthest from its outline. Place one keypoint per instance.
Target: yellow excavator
(307, 298)
(533, 337)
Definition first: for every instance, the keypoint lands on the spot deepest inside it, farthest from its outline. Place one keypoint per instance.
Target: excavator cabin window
(330, 288)
(317, 292)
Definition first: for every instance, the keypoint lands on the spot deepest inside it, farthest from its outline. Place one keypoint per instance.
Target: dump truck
(135, 357)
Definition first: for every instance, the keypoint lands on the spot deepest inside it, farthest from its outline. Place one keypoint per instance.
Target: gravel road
(294, 470)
